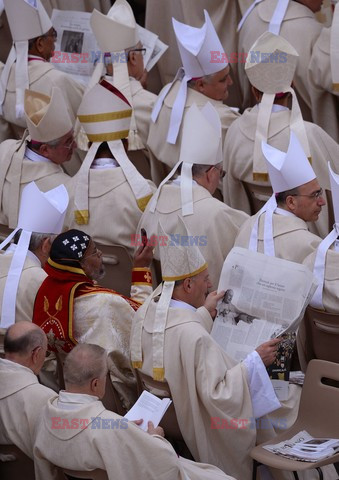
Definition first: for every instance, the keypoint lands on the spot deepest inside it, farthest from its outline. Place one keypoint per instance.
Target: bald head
(84, 364)
(25, 343)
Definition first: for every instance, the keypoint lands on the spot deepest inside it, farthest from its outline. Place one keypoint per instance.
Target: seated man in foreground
(71, 308)
(171, 342)
(102, 439)
(22, 397)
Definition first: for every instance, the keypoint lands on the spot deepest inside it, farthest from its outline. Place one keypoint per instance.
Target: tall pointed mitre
(334, 49)
(270, 68)
(27, 19)
(105, 115)
(178, 261)
(39, 213)
(201, 144)
(195, 47)
(277, 17)
(320, 259)
(114, 33)
(47, 117)
(287, 170)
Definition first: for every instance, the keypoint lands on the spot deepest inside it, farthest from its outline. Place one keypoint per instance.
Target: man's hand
(268, 351)
(152, 430)
(143, 256)
(211, 302)
(143, 79)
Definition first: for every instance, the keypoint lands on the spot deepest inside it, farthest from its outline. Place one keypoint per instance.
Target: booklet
(305, 448)
(149, 408)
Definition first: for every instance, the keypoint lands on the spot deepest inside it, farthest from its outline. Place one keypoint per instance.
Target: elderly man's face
(217, 87)
(92, 263)
(307, 204)
(200, 285)
(63, 151)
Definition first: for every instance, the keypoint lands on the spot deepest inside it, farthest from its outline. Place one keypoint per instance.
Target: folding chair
(318, 415)
(321, 332)
(15, 464)
(118, 264)
(169, 422)
(257, 195)
(94, 474)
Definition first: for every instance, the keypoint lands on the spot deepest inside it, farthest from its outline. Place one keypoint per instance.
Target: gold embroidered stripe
(181, 277)
(104, 117)
(260, 177)
(107, 137)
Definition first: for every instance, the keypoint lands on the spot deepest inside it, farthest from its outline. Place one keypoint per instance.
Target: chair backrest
(318, 410)
(257, 195)
(94, 474)
(169, 422)
(4, 231)
(15, 464)
(118, 264)
(111, 399)
(331, 219)
(322, 334)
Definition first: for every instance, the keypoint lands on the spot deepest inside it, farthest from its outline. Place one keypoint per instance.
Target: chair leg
(295, 474)
(255, 468)
(321, 476)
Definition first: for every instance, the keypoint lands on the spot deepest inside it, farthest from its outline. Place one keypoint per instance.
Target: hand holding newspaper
(149, 408)
(265, 297)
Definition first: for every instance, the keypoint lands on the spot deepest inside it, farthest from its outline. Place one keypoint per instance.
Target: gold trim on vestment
(81, 217)
(104, 117)
(107, 137)
(187, 275)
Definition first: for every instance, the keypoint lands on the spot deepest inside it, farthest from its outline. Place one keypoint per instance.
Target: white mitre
(105, 115)
(114, 33)
(320, 259)
(27, 19)
(47, 117)
(195, 47)
(201, 144)
(179, 260)
(39, 213)
(287, 170)
(270, 67)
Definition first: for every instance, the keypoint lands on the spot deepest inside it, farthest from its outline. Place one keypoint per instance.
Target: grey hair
(205, 78)
(25, 343)
(36, 239)
(281, 196)
(84, 363)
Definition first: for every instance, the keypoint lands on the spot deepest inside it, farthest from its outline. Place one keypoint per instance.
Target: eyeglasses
(314, 196)
(141, 50)
(69, 145)
(96, 252)
(53, 34)
(222, 172)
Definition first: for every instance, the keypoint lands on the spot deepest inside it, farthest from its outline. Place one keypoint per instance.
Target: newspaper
(265, 297)
(77, 52)
(75, 48)
(155, 48)
(305, 448)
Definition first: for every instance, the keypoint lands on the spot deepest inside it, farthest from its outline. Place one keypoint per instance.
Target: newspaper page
(155, 48)
(305, 448)
(76, 49)
(265, 297)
